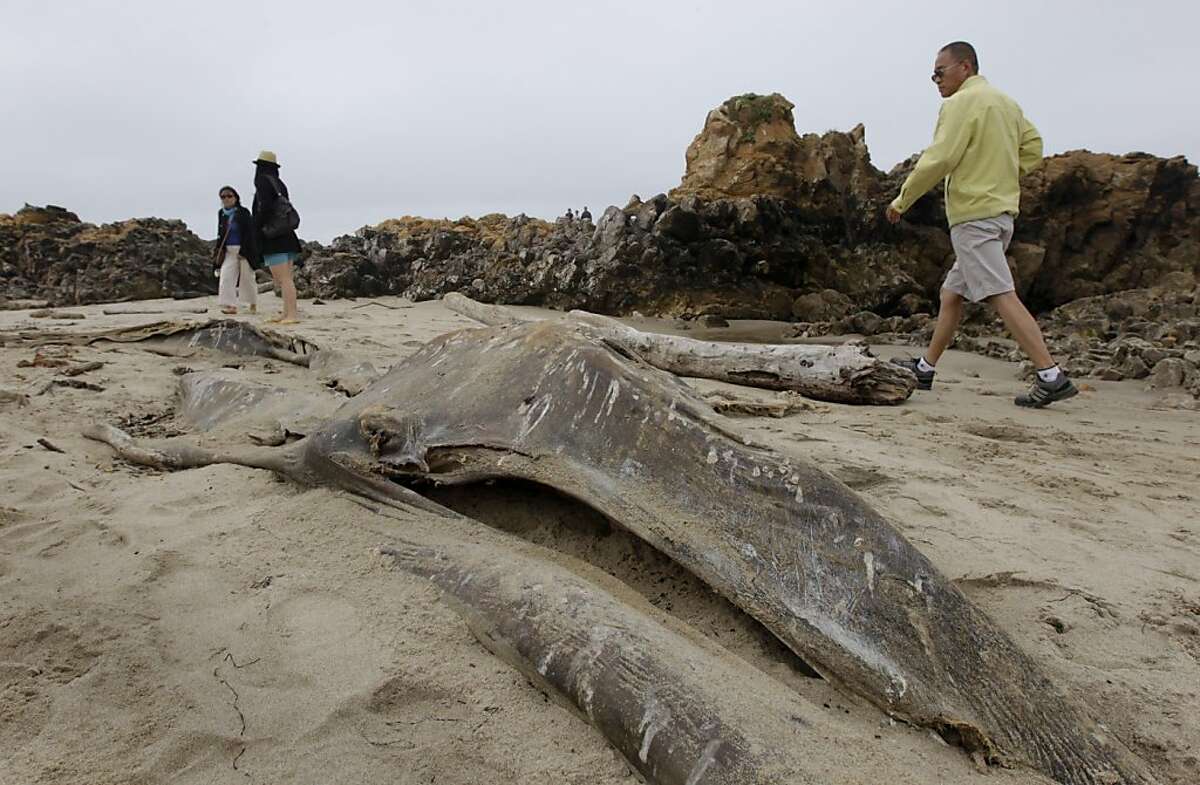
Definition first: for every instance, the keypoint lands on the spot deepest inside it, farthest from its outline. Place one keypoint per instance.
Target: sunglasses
(940, 71)
(228, 196)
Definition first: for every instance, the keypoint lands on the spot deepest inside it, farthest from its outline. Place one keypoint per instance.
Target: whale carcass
(777, 536)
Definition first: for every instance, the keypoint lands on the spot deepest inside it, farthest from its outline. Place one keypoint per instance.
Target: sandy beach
(221, 625)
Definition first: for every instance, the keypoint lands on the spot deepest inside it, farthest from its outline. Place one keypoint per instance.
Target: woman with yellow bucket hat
(277, 220)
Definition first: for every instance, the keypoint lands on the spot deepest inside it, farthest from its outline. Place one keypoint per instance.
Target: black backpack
(283, 218)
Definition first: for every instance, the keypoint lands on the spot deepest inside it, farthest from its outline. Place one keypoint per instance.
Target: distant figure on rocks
(570, 216)
(236, 253)
(982, 145)
(585, 215)
(276, 220)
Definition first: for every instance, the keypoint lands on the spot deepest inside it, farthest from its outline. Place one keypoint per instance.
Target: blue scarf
(234, 236)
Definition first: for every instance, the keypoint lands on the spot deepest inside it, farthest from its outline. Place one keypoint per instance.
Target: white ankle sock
(1049, 374)
(923, 366)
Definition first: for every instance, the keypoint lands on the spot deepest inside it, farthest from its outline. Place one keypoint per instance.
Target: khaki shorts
(980, 269)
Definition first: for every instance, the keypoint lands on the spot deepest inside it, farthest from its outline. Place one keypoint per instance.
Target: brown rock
(1025, 260)
(1170, 372)
(744, 149)
(749, 147)
(1111, 374)
(864, 323)
(1109, 222)
(824, 306)
(680, 224)
(1134, 368)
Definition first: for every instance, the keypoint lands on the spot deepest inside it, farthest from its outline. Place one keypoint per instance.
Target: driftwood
(22, 305)
(135, 311)
(51, 314)
(76, 370)
(781, 539)
(175, 338)
(43, 361)
(380, 305)
(784, 404)
(78, 384)
(845, 373)
(51, 446)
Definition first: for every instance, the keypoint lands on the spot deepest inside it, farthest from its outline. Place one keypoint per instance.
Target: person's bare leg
(277, 276)
(949, 315)
(1024, 328)
(288, 285)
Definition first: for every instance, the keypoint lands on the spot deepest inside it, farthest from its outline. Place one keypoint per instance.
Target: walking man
(982, 145)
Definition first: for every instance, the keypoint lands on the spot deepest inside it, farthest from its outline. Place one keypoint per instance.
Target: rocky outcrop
(769, 223)
(765, 223)
(664, 257)
(47, 253)
(749, 148)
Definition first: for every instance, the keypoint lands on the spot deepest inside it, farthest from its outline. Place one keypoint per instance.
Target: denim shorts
(272, 259)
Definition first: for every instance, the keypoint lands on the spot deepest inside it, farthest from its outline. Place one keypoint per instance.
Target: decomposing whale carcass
(781, 539)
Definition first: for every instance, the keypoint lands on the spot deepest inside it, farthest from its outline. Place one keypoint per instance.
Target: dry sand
(222, 626)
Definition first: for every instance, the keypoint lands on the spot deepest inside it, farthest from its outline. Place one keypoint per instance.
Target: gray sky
(376, 110)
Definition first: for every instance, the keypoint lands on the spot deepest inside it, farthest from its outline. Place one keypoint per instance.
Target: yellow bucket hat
(266, 157)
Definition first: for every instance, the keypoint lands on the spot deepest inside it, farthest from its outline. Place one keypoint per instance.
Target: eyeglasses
(228, 196)
(940, 71)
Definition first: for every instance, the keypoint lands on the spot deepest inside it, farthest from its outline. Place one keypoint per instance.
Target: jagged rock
(747, 148)
(863, 323)
(680, 224)
(826, 305)
(48, 253)
(1110, 223)
(1134, 368)
(649, 212)
(1171, 372)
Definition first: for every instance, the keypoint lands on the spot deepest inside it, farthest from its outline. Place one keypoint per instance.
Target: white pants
(237, 280)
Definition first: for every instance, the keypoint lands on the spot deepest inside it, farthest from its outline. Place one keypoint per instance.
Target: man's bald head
(955, 64)
(961, 51)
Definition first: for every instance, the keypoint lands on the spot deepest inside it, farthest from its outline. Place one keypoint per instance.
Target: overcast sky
(380, 109)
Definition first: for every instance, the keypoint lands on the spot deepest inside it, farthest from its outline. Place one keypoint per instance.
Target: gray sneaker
(924, 378)
(1045, 393)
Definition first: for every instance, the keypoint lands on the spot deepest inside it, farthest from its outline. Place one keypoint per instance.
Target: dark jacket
(267, 186)
(248, 231)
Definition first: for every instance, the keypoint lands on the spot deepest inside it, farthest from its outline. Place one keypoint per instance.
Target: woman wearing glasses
(237, 253)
